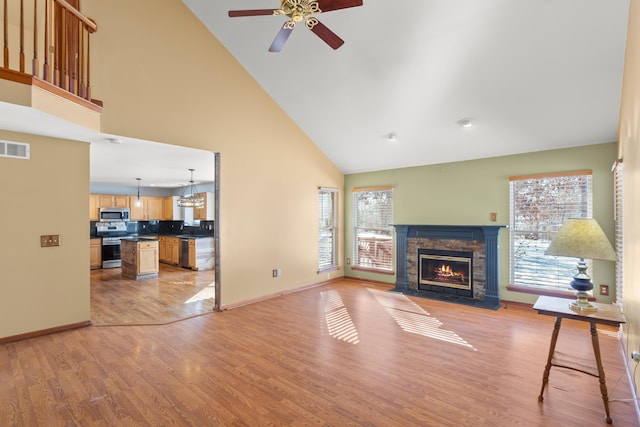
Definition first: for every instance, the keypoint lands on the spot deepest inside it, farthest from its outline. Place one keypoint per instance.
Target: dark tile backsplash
(145, 228)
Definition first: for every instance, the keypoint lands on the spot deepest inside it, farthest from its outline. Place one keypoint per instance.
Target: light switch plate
(49, 240)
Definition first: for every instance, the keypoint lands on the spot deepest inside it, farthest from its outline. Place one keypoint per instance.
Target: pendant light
(138, 202)
(191, 198)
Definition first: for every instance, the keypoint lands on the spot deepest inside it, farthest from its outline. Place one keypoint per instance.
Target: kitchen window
(373, 232)
(327, 229)
(539, 206)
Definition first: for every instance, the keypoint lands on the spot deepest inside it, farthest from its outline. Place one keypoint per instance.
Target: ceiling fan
(302, 10)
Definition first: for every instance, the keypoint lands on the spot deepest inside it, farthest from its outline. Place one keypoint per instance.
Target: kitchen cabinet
(93, 208)
(173, 250)
(152, 208)
(169, 250)
(192, 254)
(162, 249)
(172, 212)
(200, 254)
(112, 201)
(95, 253)
(139, 257)
(205, 212)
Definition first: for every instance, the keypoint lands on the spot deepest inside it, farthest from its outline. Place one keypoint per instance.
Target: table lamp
(582, 238)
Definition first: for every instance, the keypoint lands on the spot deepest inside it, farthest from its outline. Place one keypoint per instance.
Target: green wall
(465, 193)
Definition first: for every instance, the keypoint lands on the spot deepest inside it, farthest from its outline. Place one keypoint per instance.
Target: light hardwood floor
(176, 293)
(342, 354)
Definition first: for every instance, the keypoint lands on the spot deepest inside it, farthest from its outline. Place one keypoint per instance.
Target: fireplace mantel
(483, 233)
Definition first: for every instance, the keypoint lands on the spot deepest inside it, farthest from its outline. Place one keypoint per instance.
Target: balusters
(63, 34)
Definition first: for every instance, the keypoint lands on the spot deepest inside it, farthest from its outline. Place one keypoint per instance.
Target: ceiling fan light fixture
(191, 197)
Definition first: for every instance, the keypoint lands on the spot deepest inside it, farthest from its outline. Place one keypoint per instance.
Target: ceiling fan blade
(327, 35)
(329, 5)
(250, 12)
(281, 38)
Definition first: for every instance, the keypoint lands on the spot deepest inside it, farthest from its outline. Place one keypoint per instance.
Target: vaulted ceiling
(531, 75)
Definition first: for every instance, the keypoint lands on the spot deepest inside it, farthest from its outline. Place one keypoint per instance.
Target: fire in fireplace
(445, 271)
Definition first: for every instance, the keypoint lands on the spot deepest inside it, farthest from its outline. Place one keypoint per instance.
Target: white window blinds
(327, 229)
(373, 232)
(539, 206)
(618, 180)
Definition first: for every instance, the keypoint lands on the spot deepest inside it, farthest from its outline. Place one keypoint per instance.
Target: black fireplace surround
(484, 234)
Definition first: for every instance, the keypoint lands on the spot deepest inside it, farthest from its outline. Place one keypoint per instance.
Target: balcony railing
(47, 43)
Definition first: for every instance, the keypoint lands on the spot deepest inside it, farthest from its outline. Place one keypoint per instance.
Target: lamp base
(582, 303)
(582, 284)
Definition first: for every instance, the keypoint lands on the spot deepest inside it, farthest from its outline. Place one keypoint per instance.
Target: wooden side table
(607, 314)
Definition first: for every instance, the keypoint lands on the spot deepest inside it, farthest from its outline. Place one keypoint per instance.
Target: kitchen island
(139, 257)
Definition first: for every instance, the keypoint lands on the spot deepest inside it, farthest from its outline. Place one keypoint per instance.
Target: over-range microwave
(114, 214)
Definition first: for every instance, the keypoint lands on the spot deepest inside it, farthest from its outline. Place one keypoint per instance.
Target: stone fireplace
(458, 260)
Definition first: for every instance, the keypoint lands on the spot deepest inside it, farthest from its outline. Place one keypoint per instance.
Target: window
(373, 232)
(327, 229)
(539, 206)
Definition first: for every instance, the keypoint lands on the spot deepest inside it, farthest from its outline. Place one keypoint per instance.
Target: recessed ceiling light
(391, 137)
(465, 123)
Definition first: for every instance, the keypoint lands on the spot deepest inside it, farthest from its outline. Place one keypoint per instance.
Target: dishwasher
(183, 259)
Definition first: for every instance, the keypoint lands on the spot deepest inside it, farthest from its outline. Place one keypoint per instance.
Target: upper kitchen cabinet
(112, 201)
(205, 212)
(152, 208)
(97, 201)
(173, 212)
(93, 208)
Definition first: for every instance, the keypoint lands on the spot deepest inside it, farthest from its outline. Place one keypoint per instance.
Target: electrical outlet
(635, 356)
(604, 290)
(494, 216)
(275, 272)
(348, 261)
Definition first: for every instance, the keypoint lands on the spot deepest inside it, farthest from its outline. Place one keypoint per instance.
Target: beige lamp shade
(582, 238)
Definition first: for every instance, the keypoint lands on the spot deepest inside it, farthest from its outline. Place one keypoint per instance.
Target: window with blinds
(327, 229)
(539, 205)
(373, 232)
(618, 180)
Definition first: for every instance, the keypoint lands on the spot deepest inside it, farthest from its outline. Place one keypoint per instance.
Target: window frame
(380, 242)
(532, 251)
(328, 225)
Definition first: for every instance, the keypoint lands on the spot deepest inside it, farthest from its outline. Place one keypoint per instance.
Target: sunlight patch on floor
(337, 318)
(205, 293)
(414, 319)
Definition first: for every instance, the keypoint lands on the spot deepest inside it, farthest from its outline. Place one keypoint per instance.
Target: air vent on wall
(16, 150)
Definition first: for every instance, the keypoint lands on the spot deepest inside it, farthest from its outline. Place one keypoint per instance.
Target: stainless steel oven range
(111, 232)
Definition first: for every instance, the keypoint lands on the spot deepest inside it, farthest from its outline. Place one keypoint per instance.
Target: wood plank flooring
(343, 354)
(176, 293)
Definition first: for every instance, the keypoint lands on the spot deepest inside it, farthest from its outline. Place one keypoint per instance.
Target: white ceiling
(119, 163)
(531, 74)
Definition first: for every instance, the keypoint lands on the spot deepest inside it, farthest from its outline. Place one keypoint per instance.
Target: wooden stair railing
(61, 39)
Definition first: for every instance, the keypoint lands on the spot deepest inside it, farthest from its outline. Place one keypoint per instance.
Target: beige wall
(164, 77)
(465, 193)
(629, 135)
(42, 288)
